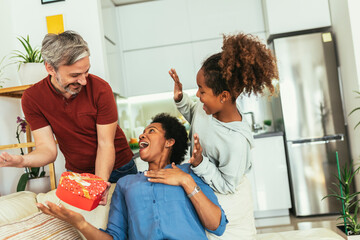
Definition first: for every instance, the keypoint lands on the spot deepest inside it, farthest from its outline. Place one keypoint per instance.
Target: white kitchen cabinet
(158, 35)
(153, 24)
(292, 15)
(204, 49)
(146, 71)
(109, 23)
(210, 19)
(269, 177)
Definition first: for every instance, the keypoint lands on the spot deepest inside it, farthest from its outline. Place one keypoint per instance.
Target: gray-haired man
(79, 109)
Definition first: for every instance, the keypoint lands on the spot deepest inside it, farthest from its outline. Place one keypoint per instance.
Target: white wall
(346, 23)
(22, 17)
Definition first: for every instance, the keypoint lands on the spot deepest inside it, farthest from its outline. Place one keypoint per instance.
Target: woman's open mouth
(143, 144)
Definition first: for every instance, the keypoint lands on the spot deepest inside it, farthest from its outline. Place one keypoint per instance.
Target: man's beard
(67, 87)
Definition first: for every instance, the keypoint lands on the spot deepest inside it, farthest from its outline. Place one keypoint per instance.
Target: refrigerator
(313, 118)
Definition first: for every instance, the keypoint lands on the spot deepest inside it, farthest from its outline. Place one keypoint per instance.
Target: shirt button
(153, 201)
(156, 218)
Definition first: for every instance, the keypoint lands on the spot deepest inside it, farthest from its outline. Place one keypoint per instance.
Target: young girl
(221, 137)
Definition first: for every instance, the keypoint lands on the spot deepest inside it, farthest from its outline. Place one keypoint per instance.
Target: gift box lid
(81, 190)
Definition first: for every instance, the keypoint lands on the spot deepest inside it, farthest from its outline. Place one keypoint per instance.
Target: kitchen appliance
(313, 119)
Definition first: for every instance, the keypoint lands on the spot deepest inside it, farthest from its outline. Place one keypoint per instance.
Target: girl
(222, 139)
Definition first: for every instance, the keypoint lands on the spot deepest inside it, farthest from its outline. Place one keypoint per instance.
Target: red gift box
(81, 190)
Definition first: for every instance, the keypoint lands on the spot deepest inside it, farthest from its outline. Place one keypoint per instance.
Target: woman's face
(212, 104)
(152, 142)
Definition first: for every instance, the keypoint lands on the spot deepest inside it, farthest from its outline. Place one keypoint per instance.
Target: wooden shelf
(17, 145)
(14, 92)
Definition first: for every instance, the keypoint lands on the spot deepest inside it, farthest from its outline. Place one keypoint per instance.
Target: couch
(20, 219)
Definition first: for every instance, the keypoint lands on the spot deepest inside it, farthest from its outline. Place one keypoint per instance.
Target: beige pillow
(16, 206)
(38, 226)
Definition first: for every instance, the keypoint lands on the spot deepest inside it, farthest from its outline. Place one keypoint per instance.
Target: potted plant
(31, 68)
(30, 172)
(349, 228)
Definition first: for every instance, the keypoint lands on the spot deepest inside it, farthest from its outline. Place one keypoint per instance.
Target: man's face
(70, 79)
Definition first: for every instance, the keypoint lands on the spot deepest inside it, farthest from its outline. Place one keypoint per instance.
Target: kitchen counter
(135, 152)
(268, 134)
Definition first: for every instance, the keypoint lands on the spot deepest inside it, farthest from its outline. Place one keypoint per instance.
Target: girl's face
(152, 142)
(212, 103)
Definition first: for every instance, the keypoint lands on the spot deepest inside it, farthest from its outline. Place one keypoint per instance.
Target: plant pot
(341, 231)
(39, 185)
(31, 73)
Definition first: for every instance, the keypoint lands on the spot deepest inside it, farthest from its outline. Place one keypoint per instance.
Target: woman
(165, 202)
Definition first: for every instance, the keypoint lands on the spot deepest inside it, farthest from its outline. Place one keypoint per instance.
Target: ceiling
(125, 2)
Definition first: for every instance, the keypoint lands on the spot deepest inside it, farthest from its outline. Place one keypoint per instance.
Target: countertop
(268, 134)
(135, 152)
(256, 135)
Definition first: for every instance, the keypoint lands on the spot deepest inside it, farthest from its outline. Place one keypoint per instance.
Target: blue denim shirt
(143, 210)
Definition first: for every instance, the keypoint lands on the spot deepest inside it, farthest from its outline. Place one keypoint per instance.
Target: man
(79, 109)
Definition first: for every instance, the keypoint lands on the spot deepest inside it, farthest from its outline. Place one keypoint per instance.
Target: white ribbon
(77, 178)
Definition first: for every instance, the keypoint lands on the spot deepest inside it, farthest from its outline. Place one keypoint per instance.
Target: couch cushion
(16, 206)
(38, 226)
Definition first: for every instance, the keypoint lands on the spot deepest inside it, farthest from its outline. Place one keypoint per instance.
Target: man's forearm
(105, 160)
(40, 157)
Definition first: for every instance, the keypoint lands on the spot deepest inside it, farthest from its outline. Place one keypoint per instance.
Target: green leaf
(35, 171)
(29, 55)
(42, 174)
(22, 182)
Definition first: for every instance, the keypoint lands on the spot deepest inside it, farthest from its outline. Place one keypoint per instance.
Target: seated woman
(165, 202)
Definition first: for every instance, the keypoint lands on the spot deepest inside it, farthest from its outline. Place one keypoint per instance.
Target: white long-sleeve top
(226, 146)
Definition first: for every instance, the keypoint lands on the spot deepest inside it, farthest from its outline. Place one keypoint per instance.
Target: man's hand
(103, 200)
(178, 94)
(7, 160)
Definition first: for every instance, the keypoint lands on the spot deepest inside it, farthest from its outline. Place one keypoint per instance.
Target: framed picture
(50, 1)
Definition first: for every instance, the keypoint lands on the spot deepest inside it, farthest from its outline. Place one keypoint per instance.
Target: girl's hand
(177, 85)
(60, 212)
(196, 157)
(170, 176)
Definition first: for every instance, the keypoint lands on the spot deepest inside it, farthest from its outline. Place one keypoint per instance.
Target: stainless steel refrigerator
(313, 119)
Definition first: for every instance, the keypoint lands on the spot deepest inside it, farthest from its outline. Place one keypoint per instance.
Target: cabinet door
(211, 18)
(153, 24)
(147, 70)
(109, 23)
(270, 174)
(290, 15)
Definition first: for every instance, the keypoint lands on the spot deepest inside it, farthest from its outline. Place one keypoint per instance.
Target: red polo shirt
(74, 120)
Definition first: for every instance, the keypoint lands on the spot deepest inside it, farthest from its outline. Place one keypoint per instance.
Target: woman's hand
(60, 212)
(170, 176)
(178, 95)
(196, 157)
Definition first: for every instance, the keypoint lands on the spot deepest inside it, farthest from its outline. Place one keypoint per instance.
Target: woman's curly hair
(174, 129)
(244, 65)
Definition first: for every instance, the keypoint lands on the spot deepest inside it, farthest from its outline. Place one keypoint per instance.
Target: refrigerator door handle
(325, 139)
